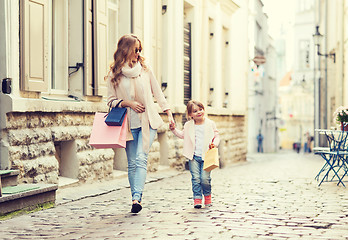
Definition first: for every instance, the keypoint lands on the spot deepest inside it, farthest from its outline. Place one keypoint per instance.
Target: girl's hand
(172, 126)
(137, 107)
(211, 145)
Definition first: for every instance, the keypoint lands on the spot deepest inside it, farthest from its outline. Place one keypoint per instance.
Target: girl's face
(135, 53)
(197, 113)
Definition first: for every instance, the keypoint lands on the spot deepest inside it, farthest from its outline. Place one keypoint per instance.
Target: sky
(281, 17)
(280, 13)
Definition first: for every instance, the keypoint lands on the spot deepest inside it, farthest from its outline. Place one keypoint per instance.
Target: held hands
(171, 126)
(170, 120)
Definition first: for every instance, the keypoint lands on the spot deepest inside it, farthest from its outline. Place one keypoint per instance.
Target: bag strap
(115, 106)
(118, 103)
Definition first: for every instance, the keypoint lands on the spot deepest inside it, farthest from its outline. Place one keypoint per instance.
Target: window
(211, 60)
(100, 46)
(59, 34)
(101, 24)
(44, 41)
(259, 36)
(187, 63)
(59, 45)
(225, 70)
(303, 54)
(305, 5)
(156, 39)
(112, 28)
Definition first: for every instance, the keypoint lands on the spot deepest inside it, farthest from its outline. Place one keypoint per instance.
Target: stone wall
(45, 145)
(233, 145)
(34, 140)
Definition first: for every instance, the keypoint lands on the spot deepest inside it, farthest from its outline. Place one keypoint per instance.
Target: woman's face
(135, 53)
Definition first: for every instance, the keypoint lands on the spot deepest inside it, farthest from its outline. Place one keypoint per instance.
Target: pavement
(271, 196)
(70, 194)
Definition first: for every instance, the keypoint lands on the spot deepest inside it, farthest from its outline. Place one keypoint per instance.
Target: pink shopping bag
(104, 136)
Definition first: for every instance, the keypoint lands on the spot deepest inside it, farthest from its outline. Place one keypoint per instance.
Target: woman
(132, 83)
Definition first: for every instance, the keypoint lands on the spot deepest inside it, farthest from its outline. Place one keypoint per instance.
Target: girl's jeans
(137, 162)
(200, 178)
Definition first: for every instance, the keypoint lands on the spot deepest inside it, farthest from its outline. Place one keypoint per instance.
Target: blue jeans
(137, 162)
(201, 181)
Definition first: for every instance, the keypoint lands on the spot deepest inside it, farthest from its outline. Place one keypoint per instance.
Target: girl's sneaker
(197, 203)
(207, 201)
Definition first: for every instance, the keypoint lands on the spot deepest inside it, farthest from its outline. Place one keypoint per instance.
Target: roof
(286, 80)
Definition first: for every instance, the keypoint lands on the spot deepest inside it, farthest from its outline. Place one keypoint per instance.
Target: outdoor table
(335, 156)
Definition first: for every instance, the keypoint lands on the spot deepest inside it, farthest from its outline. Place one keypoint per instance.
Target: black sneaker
(197, 206)
(136, 207)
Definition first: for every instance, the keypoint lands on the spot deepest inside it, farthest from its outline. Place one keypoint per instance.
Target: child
(200, 134)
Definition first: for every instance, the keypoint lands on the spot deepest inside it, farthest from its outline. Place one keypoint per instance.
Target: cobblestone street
(272, 196)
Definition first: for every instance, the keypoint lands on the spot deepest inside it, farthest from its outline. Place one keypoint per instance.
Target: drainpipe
(326, 65)
(5, 99)
(342, 53)
(317, 83)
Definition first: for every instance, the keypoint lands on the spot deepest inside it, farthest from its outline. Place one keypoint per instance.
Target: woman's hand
(136, 106)
(170, 120)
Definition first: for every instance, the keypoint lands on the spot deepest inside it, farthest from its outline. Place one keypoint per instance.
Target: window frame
(113, 7)
(63, 47)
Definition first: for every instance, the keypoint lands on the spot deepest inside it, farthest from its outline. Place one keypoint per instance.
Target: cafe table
(335, 156)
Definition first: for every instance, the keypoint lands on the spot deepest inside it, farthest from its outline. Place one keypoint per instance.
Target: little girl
(200, 134)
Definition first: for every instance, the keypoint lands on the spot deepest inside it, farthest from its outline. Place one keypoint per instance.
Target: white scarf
(132, 72)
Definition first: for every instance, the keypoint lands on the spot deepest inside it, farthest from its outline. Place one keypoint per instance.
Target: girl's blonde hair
(190, 105)
(125, 48)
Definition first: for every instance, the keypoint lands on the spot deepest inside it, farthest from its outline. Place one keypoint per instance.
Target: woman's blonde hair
(190, 105)
(125, 47)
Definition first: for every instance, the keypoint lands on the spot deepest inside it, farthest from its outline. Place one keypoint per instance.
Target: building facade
(332, 73)
(297, 90)
(55, 54)
(262, 95)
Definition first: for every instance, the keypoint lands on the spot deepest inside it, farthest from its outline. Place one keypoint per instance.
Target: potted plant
(341, 115)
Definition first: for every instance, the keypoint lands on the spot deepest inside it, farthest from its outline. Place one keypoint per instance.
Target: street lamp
(320, 88)
(317, 37)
